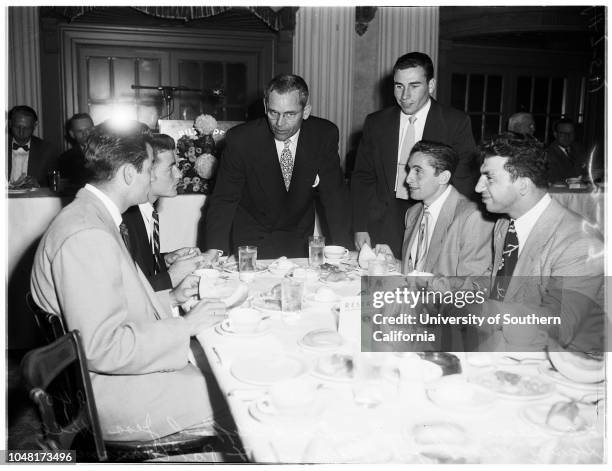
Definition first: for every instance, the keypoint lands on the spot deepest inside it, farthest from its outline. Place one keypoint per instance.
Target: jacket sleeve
(462, 140)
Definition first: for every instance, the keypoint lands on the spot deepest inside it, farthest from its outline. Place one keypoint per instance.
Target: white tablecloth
(342, 429)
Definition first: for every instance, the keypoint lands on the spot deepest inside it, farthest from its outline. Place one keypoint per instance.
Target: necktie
(508, 262)
(286, 163)
(25, 147)
(401, 191)
(421, 253)
(156, 254)
(125, 235)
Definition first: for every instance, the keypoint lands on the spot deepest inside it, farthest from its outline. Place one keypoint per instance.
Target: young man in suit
(566, 157)
(547, 260)
(271, 171)
(27, 154)
(446, 234)
(164, 271)
(378, 191)
(136, 351)
(72, 162)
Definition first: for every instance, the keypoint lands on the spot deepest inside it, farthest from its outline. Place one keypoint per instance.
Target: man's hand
(172, 257)
(184, 266)
(362, 238)
(204, 314)
(211, 257)
(187, 289)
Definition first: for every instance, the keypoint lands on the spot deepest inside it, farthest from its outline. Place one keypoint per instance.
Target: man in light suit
(547, 260)
(378, 192)
(27, 154)
(164, 271)
(270, 173)
(136, 351)
(446, 234)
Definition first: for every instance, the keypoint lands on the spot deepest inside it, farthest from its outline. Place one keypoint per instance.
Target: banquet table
(339, 429)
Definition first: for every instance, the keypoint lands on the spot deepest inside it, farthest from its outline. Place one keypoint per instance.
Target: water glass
(369, 387)
(316, 247)
(291, 295)
(247, 258)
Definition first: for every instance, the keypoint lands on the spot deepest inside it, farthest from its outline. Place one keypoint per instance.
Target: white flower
(205, 124)
(205, 165)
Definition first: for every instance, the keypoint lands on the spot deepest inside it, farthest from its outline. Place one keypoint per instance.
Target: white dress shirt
(19, 161)
(280, 145)
(527, 221)
(107, 202)
(434, 211)
(146, 209)
(419, 126)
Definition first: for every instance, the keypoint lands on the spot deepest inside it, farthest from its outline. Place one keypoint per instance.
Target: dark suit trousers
(390, 229)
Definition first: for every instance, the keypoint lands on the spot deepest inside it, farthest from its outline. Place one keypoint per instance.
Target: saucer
(225, 328)
(263, 410)
(321, 340)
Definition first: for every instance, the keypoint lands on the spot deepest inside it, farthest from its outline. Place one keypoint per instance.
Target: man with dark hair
(547, 260)
(27, 155)
(164, 271)
(566, 157)
(136, 351)
(378, 191)
(72, 162)
(270, 173)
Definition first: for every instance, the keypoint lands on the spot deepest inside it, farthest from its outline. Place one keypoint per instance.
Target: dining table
(387, 407)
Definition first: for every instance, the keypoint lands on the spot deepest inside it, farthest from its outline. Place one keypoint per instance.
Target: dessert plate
(321, 340)
(264, 370)
(225, 328)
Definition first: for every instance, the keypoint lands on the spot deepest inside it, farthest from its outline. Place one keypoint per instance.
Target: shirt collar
(146, 209)
(29, 143)
(420, 115)
(435, 207)
(293, 139)
(107, 202)
(527, 221)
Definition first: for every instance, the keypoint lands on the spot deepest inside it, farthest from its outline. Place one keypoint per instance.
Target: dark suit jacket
(251, 201)
(373, 180)
(561, 166)
(141, 251)
(41, 160)
(71, 165)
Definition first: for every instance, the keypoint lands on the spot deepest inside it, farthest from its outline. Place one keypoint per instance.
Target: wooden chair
(57, 378)
(51, 325)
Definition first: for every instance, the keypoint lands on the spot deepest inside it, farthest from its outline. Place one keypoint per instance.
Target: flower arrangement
(197, 157)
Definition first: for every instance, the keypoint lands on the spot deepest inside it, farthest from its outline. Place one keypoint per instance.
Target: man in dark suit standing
(378, 191)
(164, 271)
(27, 154)
(72, 162)
(269, 175)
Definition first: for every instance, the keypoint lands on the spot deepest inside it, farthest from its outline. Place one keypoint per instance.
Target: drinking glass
(247, 261)
(291, 295)
(316, 246)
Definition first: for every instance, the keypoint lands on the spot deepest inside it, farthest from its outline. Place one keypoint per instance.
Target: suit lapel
(439, 233)
(413, 220)
(390, 147)
(268, 169)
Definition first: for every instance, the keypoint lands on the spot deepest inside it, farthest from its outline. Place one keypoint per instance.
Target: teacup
(335, 252)
(293, 395)
(244, 320)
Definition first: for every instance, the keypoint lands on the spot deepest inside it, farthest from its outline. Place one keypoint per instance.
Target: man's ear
(307, 110)
(431, 86)
(128, 172)
(444, 177)
(265, 106)
(524, 185)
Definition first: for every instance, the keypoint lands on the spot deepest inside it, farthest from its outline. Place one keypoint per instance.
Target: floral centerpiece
(197, 157)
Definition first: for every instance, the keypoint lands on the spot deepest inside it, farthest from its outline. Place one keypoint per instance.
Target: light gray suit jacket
(559, 272)
(136, 352)
(461, 240)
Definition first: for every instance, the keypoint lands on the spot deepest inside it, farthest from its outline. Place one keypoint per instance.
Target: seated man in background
(566, 157)
(136, 351)
(71, 163)
(28, 155)
(522, 123)
(142, 222)
(547, 260)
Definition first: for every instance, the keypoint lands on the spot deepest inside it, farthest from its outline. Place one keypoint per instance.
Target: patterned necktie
(421, 253)
(286, 163)
(156, 254)
(125, 235)
(508, 262)
(401, 191)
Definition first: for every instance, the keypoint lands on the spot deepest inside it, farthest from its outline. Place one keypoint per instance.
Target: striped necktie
(156, 254)
(508, 262)
(286, 163)
(423, 239)
(125, 235)
(401, 191)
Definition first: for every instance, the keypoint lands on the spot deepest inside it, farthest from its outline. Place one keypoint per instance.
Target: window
(545, 98)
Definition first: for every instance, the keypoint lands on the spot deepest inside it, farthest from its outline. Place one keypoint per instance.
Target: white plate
(233, 267)
(259, 304)
(264, 370)
(333, 368)
(321, 340)
(264, 410)
(527, 387)
(455, 393)
(224, 328)
(556, 377)
(536, 414)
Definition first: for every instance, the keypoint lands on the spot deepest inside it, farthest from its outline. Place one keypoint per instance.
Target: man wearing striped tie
(164, 271)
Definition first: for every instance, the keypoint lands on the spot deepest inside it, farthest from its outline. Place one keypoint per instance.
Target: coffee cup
(244, 320)
(335, 252)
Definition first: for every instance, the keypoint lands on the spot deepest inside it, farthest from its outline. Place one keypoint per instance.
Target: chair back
(40, 367)
(51, 325)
